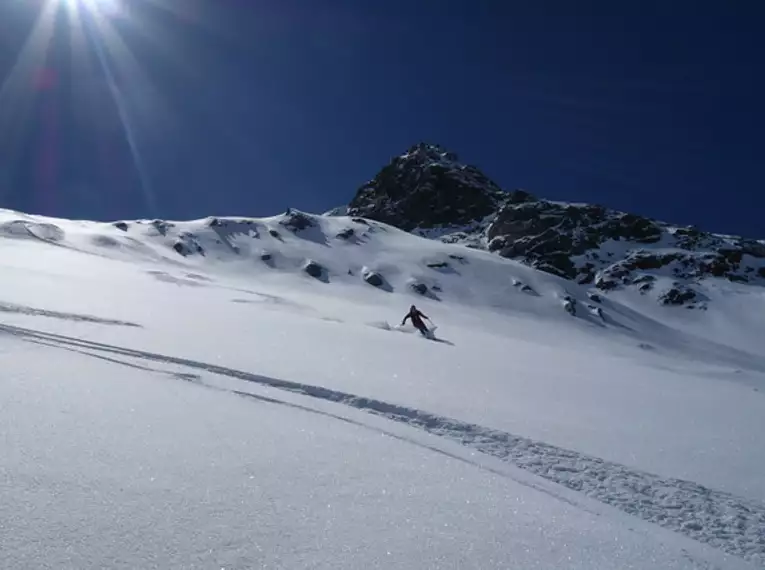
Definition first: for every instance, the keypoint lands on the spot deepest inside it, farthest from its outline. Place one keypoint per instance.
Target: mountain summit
(427, 187)
(429, 192)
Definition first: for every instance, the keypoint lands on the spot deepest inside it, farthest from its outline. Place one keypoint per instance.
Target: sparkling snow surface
(222, 411)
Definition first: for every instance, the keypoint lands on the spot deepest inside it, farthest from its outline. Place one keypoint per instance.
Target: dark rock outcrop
(314, 269)
(181, 248)
(597, 311)
(373, 278)
(187, 244)
(523, 287)
(418, 287)
(297, 221)
(425, 188)
(161, 226)
(186, 248)
(569, 305)
(678, 295)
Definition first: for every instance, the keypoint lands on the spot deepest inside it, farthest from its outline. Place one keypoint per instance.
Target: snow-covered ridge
(341, 251)
(330, 249)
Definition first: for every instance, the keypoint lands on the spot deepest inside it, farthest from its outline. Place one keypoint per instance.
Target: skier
(416, 316)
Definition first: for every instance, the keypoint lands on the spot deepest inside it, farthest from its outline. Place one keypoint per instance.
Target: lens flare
(85, 63)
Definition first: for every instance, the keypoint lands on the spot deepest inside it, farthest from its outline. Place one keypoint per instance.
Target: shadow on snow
(722, 520)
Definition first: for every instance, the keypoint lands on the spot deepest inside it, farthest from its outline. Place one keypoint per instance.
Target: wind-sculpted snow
(27, 229)
(725, 521)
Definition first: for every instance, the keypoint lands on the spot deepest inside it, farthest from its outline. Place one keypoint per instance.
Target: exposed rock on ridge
(427, 191)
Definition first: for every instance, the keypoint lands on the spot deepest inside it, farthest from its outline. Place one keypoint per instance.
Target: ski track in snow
(76, 317)
(733, 524)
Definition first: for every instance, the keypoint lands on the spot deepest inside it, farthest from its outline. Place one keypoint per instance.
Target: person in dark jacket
(417, 316)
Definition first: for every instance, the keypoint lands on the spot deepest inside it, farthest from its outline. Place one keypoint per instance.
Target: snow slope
(212, 405)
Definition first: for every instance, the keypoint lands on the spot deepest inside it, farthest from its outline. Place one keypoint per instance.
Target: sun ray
(17, 91)
(152, 33)
(130, 136)
(123, 76)
(77, 35)
(95, 31)
(195, 13)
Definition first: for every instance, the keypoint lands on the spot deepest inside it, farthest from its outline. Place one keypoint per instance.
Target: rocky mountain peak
(426, 152)
(428, 187)
(428, 191)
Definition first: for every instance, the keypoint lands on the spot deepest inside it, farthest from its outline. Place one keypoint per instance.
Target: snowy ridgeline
(237, 393)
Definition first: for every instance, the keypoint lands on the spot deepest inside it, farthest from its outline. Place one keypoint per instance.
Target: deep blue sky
(245, 107)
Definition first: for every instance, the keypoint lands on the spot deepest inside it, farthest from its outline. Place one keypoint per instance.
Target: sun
(99, 62)
(78, 3)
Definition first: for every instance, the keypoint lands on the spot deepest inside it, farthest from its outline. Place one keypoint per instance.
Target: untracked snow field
(224, 409)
